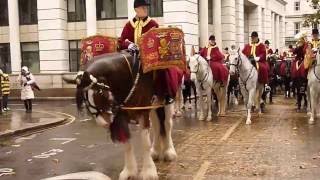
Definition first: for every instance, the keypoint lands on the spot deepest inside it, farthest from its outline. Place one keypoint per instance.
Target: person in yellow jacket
(5, 88)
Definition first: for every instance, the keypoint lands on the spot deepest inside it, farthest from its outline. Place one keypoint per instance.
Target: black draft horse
(116, 94)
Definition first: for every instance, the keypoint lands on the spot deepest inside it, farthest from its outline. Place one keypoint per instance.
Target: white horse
(201, 74)
(314, 88)
(251, 89)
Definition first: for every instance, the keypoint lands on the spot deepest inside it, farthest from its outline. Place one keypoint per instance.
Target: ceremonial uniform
(299, 74)
(166, 82)
(258, 50)
(133, 30)
(216, 59)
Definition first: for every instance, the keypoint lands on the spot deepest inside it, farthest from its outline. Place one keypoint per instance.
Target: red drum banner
(96, 45)
(162, 48)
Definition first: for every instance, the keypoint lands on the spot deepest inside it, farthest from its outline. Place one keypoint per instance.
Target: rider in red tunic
(256, 52)
(268, 49)
(166, 83)
(298, 72)
(216, 59)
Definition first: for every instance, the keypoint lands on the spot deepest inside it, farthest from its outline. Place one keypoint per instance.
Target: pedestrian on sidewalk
(27, 82)
(5, 88)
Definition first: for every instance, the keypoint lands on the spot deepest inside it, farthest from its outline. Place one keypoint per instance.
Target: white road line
(65, 140)
(202, 171)
(206, 164)
(231, 130)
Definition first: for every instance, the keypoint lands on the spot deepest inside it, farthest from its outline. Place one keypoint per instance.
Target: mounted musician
(165, 85)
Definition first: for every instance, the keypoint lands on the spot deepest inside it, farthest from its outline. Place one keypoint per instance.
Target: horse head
(195, 66)
(234, 61)
(96, 95)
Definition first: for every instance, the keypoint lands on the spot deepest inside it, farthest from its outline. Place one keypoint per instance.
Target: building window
(297, 5)
(156, 8)
(4, 21)
(28, 12)
(30, 56)
(210, 11)
(5, 62)
(296, 28)
(76, 10)
(111, 9)
(74, 55)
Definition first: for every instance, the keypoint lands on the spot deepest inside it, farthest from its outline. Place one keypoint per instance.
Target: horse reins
(196, 72)
(238, 68)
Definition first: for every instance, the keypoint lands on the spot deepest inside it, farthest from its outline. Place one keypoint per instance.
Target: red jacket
(260, 51)
(128, 31)
(297, 66)
(215, 54)
(269, 51)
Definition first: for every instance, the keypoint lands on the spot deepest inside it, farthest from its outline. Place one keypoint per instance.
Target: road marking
(90, 175)
(6, 172)
(48, 154)
(202, 171)
(231, 130)
(85, 120)
(65, 140)
(206, 164)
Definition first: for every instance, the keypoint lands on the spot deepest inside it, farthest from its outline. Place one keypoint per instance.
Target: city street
(279, 145)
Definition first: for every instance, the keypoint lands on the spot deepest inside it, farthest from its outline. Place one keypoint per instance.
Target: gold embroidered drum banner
(162, 48)
(96, 45)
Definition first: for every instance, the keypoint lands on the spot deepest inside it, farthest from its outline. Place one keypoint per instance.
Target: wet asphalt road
(279, 145)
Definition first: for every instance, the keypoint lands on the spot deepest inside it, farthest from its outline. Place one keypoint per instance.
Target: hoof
(209, 118)
(149, 173)
(128, 174)
(222, 114)
(155, 154)
(201, 118)
(170, 155)
(311, 121)
(178, 114)
(248, 122)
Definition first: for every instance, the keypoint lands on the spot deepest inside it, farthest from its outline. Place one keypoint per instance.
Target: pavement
(18, 122)
(280, 144)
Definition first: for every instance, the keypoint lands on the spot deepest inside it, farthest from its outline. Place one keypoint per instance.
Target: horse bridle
(196, 72)
(113, 107)
(237, 66)
(98, 111)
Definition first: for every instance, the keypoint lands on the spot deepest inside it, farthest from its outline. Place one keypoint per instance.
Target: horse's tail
(162, 118)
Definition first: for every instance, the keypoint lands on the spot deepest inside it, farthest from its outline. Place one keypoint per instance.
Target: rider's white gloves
(133, 47)
(257, 58)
